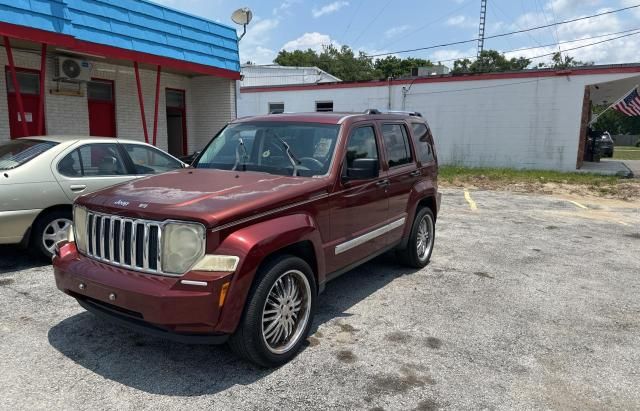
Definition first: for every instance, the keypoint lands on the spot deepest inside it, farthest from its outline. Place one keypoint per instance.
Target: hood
(212, 197)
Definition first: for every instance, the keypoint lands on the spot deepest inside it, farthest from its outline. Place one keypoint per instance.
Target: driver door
(359, 208)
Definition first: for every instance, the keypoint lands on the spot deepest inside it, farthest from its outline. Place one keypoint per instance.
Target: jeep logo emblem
(121, 203)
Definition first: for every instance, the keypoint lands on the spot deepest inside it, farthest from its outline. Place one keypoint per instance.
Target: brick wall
(210, 102)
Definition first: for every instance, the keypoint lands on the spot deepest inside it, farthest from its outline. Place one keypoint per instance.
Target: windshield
(285, 148)
(17, 152)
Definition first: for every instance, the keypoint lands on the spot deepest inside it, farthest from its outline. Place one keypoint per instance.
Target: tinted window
(276, 108)
(148, 160)
(260, 146)
(18, 152)
(100, 90)
(29, 82)
(94, 160)
(362, 144)
(175, 98)
(422, 142)
(396, 144)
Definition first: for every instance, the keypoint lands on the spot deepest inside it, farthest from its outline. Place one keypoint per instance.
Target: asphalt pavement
(529, 302)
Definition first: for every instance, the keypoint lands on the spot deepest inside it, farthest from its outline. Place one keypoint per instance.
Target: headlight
(80, 227)
(222, 263)
(182, 246)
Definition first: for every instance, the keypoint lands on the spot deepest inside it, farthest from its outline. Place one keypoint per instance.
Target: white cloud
(395, 31)
(313, 41)
(253, 46)
(329, 8)
(461, 21)
(570, 6)
(284, 7)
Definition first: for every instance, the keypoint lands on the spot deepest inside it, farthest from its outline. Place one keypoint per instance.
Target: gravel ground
(529, 302)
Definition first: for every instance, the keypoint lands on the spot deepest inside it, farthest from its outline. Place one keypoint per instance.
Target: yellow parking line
(578, 204)
(472, 204)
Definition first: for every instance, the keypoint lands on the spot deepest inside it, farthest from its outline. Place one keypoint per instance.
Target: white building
(533, 119)
(274, 75)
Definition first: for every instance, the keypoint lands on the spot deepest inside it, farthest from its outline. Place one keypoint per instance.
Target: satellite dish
(242, 16)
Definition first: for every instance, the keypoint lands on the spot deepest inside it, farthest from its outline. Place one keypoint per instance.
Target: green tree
(297, 58)
(392, 66)
(558, 61)
(616, 122)
(490, 61)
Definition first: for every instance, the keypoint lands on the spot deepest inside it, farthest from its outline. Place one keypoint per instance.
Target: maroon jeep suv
(238, 247)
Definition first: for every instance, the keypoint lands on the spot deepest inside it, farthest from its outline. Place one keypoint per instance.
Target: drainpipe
(390, 79)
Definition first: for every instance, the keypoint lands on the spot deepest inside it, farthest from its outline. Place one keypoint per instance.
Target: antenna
(483, 15)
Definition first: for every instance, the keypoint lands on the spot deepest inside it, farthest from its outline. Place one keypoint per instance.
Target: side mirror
(363, 169)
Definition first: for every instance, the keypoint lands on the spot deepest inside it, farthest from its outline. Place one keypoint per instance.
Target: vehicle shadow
(14, 258)
(158, 366)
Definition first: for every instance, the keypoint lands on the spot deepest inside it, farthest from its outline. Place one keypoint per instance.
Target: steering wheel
(316, 164)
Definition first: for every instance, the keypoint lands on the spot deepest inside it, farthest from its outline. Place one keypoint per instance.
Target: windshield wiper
(292, 157)
(244, 156)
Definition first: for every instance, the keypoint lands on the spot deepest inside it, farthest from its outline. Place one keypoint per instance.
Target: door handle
(77, 187)
(383, 183)
(416, 173)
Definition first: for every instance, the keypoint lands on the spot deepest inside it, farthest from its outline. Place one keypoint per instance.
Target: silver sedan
(40, 177)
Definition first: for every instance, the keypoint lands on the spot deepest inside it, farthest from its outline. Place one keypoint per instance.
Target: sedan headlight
(80, 227)
(182, 245)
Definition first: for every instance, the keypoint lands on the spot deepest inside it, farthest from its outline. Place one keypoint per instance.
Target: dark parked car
(238, 247)
(606, 145)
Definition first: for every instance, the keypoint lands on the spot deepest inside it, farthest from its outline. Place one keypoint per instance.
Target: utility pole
(483, 15)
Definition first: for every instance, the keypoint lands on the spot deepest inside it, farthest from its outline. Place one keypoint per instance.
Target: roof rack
(401, 112)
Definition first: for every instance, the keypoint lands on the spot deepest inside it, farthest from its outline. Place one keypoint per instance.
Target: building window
(276, 108)
(324, 105)
(396, 144)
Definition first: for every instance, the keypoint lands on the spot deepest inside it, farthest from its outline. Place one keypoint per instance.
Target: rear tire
(421, 240)
(48, 229)
(278, 313)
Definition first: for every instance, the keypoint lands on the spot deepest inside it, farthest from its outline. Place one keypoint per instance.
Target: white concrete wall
(210, 102)
(516, 122)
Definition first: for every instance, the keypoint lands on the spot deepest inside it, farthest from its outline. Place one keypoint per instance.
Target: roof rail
(401, 112)
(372, 111)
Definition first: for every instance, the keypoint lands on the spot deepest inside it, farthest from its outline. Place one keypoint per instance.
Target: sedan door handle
(416, 173)
(383, 183)
(77, 187)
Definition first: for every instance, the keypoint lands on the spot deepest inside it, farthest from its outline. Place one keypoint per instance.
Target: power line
(506, 34)
(583, 46)
(368, 26)
(637, 29)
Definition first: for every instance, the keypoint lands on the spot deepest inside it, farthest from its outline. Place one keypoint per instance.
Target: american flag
(630, 105)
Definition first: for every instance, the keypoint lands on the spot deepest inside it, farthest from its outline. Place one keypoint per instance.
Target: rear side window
(93, 160)
(17, 152)
(148, 160)
(396, 144)
(422, 141)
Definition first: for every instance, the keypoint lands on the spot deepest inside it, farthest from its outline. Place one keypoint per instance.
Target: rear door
(403, 173)
(90, 167)
(359, 207)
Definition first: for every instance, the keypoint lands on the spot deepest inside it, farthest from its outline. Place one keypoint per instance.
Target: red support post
(16, 86)
(141, 101)
(155, 115)
(43, 74)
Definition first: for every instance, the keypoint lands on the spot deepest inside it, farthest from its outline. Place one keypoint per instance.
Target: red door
(102, 108)
(29, 82)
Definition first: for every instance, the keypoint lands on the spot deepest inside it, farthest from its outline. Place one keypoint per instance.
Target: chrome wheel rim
(424, 237)
(286, 311)
(55, 231)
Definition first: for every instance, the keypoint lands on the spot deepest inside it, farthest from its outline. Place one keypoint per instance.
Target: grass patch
(453, 174)
(626, 153)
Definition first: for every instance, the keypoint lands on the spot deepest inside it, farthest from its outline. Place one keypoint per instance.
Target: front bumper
(158, 305)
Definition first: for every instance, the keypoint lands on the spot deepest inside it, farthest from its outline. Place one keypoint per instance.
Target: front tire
(278, 313)
(421, 240)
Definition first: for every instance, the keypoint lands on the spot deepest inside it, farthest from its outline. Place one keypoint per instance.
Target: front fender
(253, 244)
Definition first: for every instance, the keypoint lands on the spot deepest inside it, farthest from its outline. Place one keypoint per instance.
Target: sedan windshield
(17, 152)
(285, 148)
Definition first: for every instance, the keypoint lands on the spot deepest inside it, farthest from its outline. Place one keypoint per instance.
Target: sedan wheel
(56, 230)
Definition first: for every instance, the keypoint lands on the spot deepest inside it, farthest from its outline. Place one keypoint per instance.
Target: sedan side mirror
(363, 169)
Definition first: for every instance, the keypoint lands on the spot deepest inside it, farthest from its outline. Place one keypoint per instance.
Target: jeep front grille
(126, 242)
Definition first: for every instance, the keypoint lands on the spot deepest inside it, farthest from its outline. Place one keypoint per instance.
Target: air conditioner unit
(73, 69)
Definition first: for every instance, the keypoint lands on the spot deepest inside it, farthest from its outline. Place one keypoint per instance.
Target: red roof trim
(71, 43)
(469, 77)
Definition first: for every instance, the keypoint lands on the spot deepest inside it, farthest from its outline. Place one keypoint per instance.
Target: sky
(383, 26)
